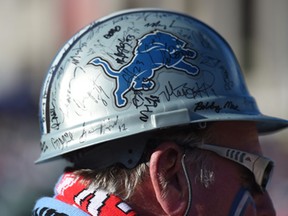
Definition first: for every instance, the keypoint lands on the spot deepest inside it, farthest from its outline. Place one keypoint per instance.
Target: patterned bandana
(72, 191)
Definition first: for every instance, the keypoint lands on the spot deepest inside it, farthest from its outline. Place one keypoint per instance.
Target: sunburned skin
(231, 189)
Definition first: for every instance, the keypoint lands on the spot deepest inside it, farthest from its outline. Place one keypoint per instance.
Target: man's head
(134, 97)
(177, 175)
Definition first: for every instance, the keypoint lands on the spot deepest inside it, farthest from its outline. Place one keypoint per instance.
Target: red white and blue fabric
(72, 197)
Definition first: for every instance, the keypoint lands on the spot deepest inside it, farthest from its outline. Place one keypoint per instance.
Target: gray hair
(121, 181)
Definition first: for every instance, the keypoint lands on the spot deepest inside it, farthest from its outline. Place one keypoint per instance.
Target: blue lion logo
(153, 52)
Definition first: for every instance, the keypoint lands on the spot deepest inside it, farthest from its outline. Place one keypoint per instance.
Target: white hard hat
(137, 71)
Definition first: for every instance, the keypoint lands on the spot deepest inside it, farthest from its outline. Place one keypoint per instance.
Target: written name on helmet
(152, 52)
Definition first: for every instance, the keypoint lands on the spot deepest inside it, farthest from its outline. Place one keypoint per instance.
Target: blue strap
(241, 202)
(47, 206)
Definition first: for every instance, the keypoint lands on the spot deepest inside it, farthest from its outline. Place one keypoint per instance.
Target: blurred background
(32, 31)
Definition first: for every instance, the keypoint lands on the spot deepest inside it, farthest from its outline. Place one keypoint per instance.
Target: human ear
(168, 178)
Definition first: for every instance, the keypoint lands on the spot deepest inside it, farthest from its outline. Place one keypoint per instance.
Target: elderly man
(151, 109)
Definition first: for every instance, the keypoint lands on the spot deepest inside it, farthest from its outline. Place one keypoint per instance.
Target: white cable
(188, 185)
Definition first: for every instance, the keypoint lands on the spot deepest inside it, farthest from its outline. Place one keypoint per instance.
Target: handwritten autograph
(145, 103)
(183, 90)
(214, 106)
(124, 48)
(106, 126)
